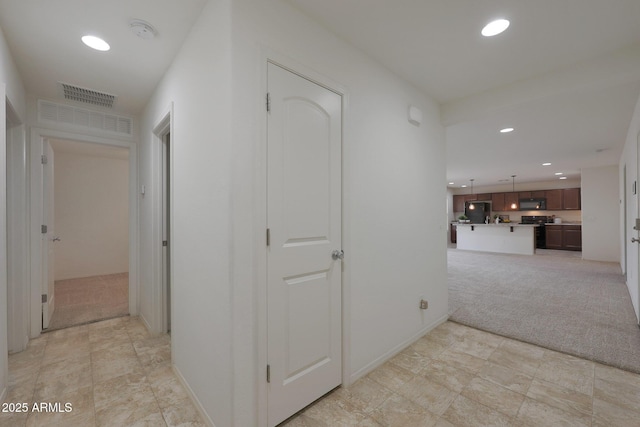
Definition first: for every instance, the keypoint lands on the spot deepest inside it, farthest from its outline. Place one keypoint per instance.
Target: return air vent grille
(83, 118)
(88, 96)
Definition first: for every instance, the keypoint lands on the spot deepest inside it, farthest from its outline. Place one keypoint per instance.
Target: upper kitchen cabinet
(510, 200)
(497, 202)
(538, 194)
(524, 195)
(554, 200)
(458, 203)
(571, 198)
(483, 197)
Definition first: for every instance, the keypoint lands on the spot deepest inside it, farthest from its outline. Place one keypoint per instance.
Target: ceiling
(44, 39)
(565, 75)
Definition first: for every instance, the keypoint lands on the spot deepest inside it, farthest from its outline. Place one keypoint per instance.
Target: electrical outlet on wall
(424, 304)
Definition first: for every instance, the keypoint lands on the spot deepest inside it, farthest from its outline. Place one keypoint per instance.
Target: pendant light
(513, 189)
(471, 205)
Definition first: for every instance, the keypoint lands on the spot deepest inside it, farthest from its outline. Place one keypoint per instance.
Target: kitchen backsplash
(515, 216)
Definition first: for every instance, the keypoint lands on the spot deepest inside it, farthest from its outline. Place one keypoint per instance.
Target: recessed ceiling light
(494, 28)
(546, 164)
(464, 186)
(506, 130)
(558, 173)
(563, 177)
(96, 43)
(451, 183)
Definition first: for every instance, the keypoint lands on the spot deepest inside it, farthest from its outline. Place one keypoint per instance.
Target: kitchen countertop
(502, 224)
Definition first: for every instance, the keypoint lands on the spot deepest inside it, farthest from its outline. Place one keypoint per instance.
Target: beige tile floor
(115, 374)
(459, 376)
(112, 372)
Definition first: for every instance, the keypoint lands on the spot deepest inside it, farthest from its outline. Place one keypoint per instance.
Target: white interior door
(304, 287)
(48, 238)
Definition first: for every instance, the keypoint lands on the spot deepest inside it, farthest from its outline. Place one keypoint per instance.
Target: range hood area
(533, 204)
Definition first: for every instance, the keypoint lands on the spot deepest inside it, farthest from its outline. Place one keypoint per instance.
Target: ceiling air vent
(88, 96)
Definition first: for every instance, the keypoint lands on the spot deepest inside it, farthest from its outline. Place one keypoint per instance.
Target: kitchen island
(504, 238)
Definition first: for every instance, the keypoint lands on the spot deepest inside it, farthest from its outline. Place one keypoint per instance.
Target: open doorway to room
(89, 246)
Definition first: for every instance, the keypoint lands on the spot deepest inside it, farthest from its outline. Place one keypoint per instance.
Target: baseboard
(196, 402)
(3, 395)
(145, 323)
(397, 349)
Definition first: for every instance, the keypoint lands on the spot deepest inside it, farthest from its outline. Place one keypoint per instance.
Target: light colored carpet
(559, 302)
(89, 299)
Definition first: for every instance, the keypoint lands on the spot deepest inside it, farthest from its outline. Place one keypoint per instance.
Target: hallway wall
(198, 86)
(394, 192)
(12, 91)
(394, 212)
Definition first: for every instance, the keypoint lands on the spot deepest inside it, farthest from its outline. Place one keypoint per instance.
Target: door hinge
(43, 229)
(43, 159)
(44, 298)
(165, 243)
(268, 237)
(268, 102)
(268, 373)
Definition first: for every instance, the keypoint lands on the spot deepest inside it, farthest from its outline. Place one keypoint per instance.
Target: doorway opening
(86, 206)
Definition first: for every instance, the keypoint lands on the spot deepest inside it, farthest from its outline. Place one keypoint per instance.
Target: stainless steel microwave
(533, 204)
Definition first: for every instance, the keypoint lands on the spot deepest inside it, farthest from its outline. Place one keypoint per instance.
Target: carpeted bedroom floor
(90, 299)
(553, 299)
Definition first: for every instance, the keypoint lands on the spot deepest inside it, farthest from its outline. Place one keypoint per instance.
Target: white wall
(11, 91)
(394, 188)
(91, 214)
(198, 84)
(600, 214)
(629, 159)
(393, 172)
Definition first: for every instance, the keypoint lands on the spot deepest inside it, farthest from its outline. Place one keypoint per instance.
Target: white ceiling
(566, 74)
(44, 39)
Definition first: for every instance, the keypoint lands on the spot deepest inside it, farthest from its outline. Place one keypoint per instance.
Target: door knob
(55, 239)
(634, 240)
(337, 254)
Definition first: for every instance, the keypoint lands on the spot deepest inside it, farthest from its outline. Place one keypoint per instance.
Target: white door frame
(17, 234)
(4, 359)
(158, 321)
(270, 56)
(37, 135)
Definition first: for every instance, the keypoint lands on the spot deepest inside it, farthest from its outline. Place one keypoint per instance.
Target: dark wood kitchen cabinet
(483, 197)
(509, 200)
(572, 237)
(524, 194)
(554, 236)
(571, 199)
(538, 194)
(554, 200)
(497, 202)
(458, 203)
(565, 237)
